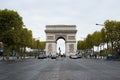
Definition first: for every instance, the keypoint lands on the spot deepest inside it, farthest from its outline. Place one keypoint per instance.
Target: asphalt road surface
(60, 69)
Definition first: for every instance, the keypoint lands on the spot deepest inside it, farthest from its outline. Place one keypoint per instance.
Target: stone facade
(66, 32)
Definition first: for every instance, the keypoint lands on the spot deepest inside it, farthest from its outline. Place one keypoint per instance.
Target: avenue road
(60, 69)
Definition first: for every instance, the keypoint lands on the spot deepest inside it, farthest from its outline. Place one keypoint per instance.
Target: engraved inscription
(50, 37)
(71, 37)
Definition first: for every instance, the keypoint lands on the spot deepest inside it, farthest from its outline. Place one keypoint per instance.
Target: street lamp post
(100, 24)
(101, 38)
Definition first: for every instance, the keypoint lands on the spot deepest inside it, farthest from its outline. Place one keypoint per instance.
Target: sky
(84, 14)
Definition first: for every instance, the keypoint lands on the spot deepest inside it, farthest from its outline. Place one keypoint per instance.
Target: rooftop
(60, 25)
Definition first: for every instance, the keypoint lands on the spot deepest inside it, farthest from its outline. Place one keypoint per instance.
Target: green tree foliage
(89, 41)
(9, 22)
(33, 44)
(12, 33)
(103, 36)
(110, 29)
(113, 32)
(81, 45)
(110, 33)
(25, 37)
(9, 19)
(43, 44)
(96, 38)
(36, 44)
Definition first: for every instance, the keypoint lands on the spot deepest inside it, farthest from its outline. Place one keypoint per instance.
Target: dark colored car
(63, 55)
(42, 56)
(53, 57)
(112, 56)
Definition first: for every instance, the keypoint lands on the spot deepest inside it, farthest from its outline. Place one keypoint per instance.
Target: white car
(73, 56)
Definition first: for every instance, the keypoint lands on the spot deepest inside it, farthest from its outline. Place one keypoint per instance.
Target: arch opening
(60, 46)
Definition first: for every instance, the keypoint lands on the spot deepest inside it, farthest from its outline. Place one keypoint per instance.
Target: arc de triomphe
(66, 32)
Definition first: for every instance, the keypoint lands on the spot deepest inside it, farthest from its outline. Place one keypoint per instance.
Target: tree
(81, 45)
(89, 41)
(97, 39)
(10, 25)
(110, 34)
(10, 21)
(103, 36)
(25, 36)
(42, 44)
(113, 32)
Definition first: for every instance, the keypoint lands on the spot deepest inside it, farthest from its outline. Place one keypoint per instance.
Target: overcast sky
(82, 13)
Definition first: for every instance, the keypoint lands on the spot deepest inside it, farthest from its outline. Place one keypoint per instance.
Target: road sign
(1, 49)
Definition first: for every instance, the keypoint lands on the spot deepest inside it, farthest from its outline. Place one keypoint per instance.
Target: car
(41, 56)
(76, 56)
(73, 57)
(79, 56)
(49, 56)
(53, 57)
(112, 56)
(63, 55)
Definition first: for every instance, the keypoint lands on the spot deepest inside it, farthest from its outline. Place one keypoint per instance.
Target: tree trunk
(112, 46)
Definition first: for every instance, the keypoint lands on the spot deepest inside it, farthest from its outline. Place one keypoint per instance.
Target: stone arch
(66, 32)
(60, 37)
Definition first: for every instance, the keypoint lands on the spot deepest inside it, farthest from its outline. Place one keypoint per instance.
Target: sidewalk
(14, 59)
